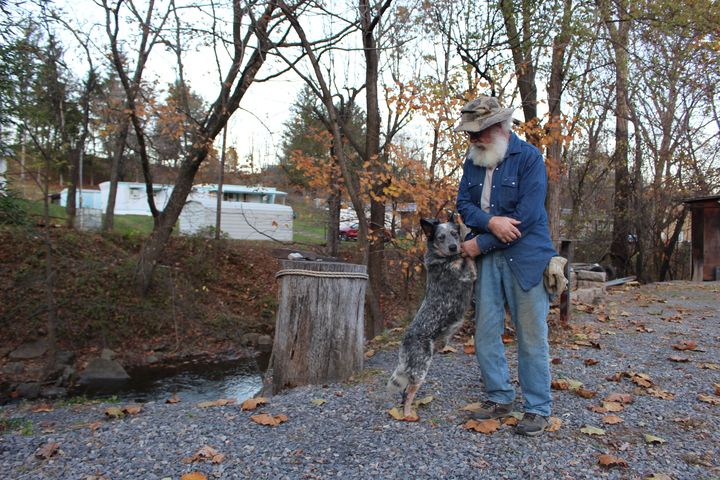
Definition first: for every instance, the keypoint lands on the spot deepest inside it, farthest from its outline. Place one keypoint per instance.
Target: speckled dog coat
(448, 295)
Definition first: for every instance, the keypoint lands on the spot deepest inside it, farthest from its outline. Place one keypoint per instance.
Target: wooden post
(566, 250)
(319, 327)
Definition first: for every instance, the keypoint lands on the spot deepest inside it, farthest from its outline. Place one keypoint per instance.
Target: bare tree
(251, 26)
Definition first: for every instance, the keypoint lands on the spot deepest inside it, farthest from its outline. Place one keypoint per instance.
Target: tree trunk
(333, 220)
(376, 249)
(70, 205)
(319, 330)
(155, 244)
(115, 168)
(619, 253)
(521, 48)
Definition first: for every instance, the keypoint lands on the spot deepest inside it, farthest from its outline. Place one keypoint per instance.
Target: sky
(256, 127)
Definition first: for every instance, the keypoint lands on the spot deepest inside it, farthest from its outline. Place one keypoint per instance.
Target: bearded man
(502, 199)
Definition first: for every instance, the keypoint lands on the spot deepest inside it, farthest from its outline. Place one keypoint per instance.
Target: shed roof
(702, 199)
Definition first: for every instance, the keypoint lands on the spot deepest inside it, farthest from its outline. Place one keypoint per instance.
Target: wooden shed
(705, 217)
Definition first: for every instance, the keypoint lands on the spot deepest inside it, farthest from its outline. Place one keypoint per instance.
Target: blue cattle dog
(448, 294)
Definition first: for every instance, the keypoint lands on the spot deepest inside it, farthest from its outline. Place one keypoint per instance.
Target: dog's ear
(452, 217)
(428, 226)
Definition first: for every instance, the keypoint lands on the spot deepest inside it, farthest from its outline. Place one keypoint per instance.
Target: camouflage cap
(481, 113)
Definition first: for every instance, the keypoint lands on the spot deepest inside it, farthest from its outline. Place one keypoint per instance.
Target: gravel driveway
(622, 347)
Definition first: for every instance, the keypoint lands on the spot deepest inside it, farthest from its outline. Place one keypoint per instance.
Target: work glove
(554, 278)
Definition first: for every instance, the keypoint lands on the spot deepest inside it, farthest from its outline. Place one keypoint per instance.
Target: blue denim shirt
(519, 184)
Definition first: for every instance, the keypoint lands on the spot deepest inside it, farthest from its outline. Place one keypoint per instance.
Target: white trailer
(239, 220)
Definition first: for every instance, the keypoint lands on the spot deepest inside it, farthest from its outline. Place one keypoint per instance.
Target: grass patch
(20, 425)
(309, 224)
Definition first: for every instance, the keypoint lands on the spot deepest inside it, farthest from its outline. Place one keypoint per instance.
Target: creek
(192, 380)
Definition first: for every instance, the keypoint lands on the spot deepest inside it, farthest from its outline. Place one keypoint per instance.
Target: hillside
(207, 294)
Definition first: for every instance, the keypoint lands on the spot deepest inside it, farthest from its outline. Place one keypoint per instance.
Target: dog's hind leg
(409, 398)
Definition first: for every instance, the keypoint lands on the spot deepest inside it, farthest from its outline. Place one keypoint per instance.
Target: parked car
(349, 232)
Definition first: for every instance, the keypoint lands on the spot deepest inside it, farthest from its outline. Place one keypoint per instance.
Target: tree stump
(319, 327)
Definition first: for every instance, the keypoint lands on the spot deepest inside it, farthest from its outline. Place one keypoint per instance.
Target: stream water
(193, 380)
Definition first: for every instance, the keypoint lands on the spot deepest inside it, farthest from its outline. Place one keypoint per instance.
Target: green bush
(12, 209)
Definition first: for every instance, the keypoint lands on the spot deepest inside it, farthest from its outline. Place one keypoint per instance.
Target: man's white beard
(491, 154)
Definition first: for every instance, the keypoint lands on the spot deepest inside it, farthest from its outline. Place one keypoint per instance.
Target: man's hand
(504, 228)
(470, 248)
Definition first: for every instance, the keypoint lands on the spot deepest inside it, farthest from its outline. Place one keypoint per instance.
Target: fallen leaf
(173, 399)
(602, 317)
(624, 314)
(469, 349)
(609, 461)
(584, 307)
(642, 328)
(592, 430)
(216, 403)
(265, 419)
(397, 329)
(597, 409)
(612, 419)
(252, 403)
(397, 414)
(94, 425)
(560, 384)
(555, 424)
(472, 407)
(711, 399)
(590, 361)
(659, 476)
(47, 450)
(652, 439)
(556, 361)
(574, 384)
(641, 379)
(43, 408)
(717, 388)
(206, 453)
(482, 426)
(613, 406)
(131, 409)
(511, 421)
(114, 412)
(507, 338)
(685, 345)
(193, 476)
(585, 393)
(660, 393)
(588, 343)
(318, 401)
(615, 377)
(448, 349)
(709, 366)
(620, 397)
(423, 401)
(369, 353)
(676, 358)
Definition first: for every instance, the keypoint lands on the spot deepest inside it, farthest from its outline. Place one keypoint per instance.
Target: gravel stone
(352, 435)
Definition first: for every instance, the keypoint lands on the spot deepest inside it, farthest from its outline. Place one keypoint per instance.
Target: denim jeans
(495, 286)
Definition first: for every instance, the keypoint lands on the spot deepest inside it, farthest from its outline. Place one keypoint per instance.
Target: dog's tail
(398, 381)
